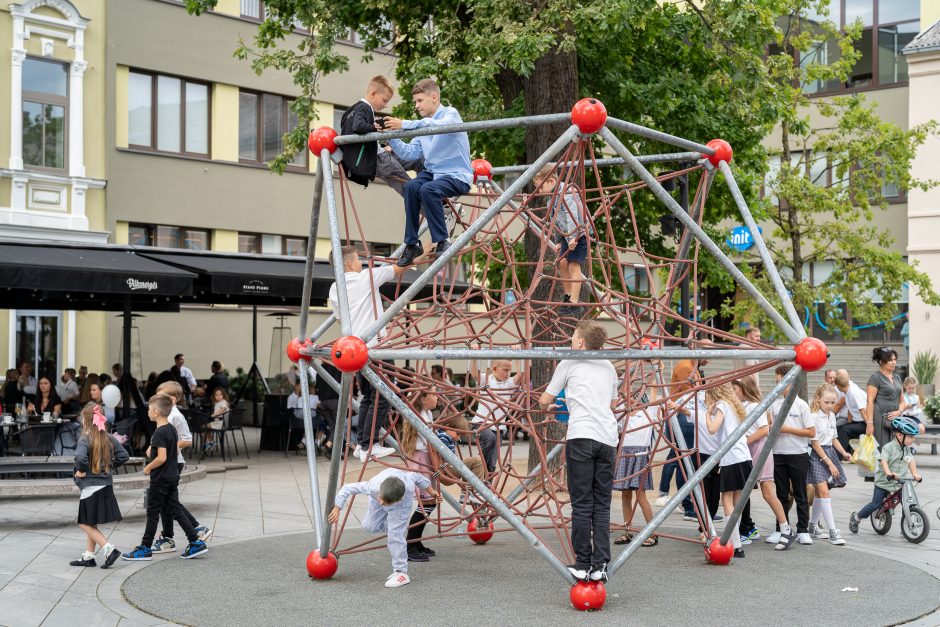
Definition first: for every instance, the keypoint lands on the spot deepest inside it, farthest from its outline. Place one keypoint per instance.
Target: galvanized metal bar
(659, 136)
(461, 127)
(339, 273)
(699, 234)
(405, 298)
(310, 435)
(702, 471)
(567, 353)
(758, 464)
(479, 486)
(339, 432)
(323, 328)
(311, 251)
(769, 267)
(611, 161)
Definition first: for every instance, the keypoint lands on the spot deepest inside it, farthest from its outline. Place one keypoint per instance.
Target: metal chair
(233, 422)
(38, 439)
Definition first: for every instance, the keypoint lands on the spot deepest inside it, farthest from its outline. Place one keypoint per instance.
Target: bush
(925, 367)
(932, 407)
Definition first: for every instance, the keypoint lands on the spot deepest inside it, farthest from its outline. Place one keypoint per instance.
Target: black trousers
(369, 421)
(747, 523)
(488, 447)
(710, 486)
(167, 517)
(790, 477)
(848, 431)
(329, 409)
(164, 495)
(590, 482)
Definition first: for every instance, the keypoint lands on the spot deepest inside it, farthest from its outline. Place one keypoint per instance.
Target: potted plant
(252, 393)
(932, 408)
(924, 368)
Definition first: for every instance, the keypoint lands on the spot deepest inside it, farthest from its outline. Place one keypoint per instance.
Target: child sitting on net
(391, 494)
(894, 458)
(570, 226)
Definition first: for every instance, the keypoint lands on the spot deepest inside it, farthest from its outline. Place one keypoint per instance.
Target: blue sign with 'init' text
(741, 238)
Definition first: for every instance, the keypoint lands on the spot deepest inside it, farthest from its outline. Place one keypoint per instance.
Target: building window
(249, 243)
(168, 114)
(888, 26)
(295, 246)
(253, 9)
(164, 236)
(45, 110)
(338, 113)
(263, 120)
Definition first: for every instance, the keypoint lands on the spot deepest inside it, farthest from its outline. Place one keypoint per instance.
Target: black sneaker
(408, 256)
(425, 550)
(414, 555)
(442, 246)
(578, 572)
(598, 573)
(111, 558)
(853, 523)
(739, 552)
(90, 562)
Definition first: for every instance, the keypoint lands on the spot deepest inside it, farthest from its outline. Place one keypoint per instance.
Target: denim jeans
(425, 190)
(877, 498)
(672, 463)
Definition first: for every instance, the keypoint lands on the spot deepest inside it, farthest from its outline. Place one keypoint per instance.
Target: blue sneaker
(754, 534)
(195, 549)
(140, 554)
(163, 545)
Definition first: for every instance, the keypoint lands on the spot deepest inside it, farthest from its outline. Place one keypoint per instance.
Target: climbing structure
(497, 294)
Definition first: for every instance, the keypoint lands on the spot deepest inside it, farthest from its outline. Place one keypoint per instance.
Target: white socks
(816, 511)
(785, 528)
(106, 549)
(736, 535)
(826, 506)
(86, 555)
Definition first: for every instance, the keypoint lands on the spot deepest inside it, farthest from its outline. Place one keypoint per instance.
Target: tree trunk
(551, 88)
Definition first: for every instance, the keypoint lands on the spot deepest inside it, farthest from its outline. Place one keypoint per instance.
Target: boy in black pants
(791, 465)
(164, 484)
(591, 394)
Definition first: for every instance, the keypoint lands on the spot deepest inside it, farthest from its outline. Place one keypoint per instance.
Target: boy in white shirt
(365, 307)
(791, 465)
(495, 386)
(591, 395)
(166, 544)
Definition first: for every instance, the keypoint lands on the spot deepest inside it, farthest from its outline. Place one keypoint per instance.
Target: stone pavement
(270, 497)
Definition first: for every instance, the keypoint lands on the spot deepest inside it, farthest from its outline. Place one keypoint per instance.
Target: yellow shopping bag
(866, 453)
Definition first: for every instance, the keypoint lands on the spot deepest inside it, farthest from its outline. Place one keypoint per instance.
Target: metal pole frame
(659, 136)
(460, 127)
(457, 464)
(611, 161)
(339, 433)
(699, 234)
(405, 298)
(703, 470)
(566, 353)
(309, 432)
(758, 463)
(762, 249)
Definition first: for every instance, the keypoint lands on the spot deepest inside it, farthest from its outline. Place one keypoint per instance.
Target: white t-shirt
(421, 444)
(492, 392)
(365, 301)
(187, 374)
(856, 401)
(843, 412)
(799, 418)
(739, 452)
(695, 408)
(183, 433)
(825, 427)
(589, 388)
(639, 429)
(761, 422)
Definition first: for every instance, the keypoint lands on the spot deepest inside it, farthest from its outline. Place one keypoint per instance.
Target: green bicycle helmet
(905, 425)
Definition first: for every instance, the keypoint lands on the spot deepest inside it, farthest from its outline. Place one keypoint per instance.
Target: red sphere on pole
(811, 354)
(350, 354)
(718, 553)
(321, 138)
(722, 150)
(320, 567)
(589, 114)
(293, 349)
(480, 532)
(588, 596)
(482, 170)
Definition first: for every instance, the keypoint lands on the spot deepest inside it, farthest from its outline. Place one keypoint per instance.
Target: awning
(62, 276)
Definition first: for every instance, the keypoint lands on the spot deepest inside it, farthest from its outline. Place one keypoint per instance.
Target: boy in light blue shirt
(447, 172)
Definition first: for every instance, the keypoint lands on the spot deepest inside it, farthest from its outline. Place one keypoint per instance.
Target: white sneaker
(835, 537)
(380, 451)
(661, 501)
(358, 453)
(397, 579)
(804, 538)
(773, 538)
